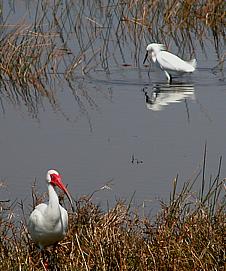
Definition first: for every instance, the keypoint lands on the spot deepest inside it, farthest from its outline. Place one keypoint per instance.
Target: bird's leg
(44, 260)
(169, 77)
(53, 259)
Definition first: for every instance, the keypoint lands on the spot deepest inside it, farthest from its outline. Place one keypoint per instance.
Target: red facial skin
(56, 181)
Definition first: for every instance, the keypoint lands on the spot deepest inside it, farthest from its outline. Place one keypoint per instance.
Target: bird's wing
(36, 216)
(41, 207)
(172, 62)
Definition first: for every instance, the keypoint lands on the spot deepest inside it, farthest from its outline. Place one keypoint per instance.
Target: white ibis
(48, 222)
(169, 62)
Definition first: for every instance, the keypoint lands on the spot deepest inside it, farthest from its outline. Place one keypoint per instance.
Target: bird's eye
(53, 177)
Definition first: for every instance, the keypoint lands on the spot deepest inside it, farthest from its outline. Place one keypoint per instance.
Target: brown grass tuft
(186, 234)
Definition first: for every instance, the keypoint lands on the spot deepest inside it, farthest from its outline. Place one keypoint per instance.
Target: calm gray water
(116, 136)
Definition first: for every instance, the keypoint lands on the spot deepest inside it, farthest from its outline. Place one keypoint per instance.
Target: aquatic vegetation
(65, 37)
(63, 40)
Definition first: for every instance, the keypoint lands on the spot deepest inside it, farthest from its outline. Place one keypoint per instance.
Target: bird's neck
(53, 206)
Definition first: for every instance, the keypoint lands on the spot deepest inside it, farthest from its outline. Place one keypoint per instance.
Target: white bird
(48, 223)
(169, 62)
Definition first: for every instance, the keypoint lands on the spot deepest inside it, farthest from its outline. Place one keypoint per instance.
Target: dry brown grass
(186, 234)
(67, 40)
(31, 54)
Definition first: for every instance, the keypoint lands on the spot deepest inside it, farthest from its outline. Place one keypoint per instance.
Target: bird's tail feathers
(193, 62)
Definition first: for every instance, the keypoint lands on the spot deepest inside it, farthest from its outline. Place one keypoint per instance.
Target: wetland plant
(187, 233)
(67, 39)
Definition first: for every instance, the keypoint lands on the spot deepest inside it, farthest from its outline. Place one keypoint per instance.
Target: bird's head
(54, 178)
(154, 49)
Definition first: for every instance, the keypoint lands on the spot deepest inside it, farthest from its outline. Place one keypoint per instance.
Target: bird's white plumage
(169, 62)
(156, 47)
(48, 223)
(172, 62)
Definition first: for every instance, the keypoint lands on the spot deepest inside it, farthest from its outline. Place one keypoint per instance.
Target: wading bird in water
(168, 62)
(48, 223)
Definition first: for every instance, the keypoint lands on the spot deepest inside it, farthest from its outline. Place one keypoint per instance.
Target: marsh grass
(95, 34)
(64, 38)
(25, 58)
(187, 233)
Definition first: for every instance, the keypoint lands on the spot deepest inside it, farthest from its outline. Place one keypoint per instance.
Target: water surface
(127, 127)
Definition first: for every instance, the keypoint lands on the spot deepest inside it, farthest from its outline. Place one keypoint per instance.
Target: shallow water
(130, 130)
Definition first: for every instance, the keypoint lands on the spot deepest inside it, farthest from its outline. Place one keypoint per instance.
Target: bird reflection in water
(165, 94)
